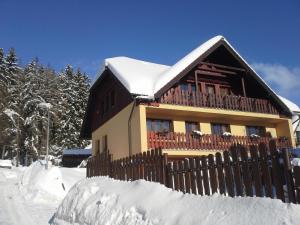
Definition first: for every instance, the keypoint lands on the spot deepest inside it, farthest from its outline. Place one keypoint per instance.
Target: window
(97, 147)
(218, 128)
(159, 125)
(184, 87)
(187, 87)
(112, 98)
(224, 91)
(104, 143)
(190, 126)
(210, 89)
(257, 130)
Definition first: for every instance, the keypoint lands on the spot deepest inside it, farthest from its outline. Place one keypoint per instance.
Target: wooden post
(243, 86)
(196, 82)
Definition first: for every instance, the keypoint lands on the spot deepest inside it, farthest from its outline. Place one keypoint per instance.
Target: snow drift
(41, 185)
(102, 200)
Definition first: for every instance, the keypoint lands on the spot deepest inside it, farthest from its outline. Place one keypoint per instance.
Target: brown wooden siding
(100, 108)
(102, 95)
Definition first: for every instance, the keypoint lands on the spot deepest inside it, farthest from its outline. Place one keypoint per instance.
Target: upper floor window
(256, 130)
(157, 125)
(210, 89)
(190, 126)
(219, 128)
(184, 87)
(187, 87)
(224, 90)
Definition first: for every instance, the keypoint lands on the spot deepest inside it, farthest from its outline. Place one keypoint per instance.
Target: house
(208, 100)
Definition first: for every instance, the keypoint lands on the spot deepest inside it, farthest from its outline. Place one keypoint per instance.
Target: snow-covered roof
(136, 75)
(77, 152)
(291, 105)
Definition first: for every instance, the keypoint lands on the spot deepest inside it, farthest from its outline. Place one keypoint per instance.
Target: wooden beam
(224, 67)
(243, 85)
(210, 73)
(196, 81)
(217, 70)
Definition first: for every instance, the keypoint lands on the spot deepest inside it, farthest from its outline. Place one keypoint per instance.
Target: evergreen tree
(22, 94)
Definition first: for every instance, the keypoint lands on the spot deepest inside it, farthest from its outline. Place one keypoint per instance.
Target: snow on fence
(262, 171)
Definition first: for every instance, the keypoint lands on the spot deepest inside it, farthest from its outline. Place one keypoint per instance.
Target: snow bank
(41, 185)
(102, 200)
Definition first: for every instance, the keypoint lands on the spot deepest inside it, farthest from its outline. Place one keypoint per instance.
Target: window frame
(261, 133)
(189, 125)
(222, 125)
(153, 125)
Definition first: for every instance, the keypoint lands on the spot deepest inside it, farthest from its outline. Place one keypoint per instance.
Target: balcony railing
(177, 96)
(188, 141)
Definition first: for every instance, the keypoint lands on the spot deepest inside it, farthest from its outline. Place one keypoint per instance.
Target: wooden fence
(177, 96)
(262, 171)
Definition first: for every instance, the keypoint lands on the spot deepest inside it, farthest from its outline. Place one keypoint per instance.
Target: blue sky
(83, 33)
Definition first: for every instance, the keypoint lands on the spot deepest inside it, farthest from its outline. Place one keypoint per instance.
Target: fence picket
(256, 171)
(205, 175)
(212, 174)
(228, 174)
(276, 172)
(266, 175)
(246, 172)
(236, 170)
(221, 181)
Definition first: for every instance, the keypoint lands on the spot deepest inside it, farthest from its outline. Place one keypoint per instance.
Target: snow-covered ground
(31, 195)
(102, 200)
(35, 196)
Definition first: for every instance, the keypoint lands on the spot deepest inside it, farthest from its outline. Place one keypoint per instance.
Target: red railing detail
(176, 96)
(174, 140)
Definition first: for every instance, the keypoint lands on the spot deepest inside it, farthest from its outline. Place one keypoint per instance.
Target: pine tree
(23, 91)
(82, 86)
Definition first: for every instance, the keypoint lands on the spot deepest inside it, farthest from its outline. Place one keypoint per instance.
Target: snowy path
(14, 209)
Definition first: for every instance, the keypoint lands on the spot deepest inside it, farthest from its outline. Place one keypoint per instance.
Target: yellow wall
(179, 126)
(286, 129)
(116, 130)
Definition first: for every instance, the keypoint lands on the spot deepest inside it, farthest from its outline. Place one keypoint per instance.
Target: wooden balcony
(188, 141)
(177, 96)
